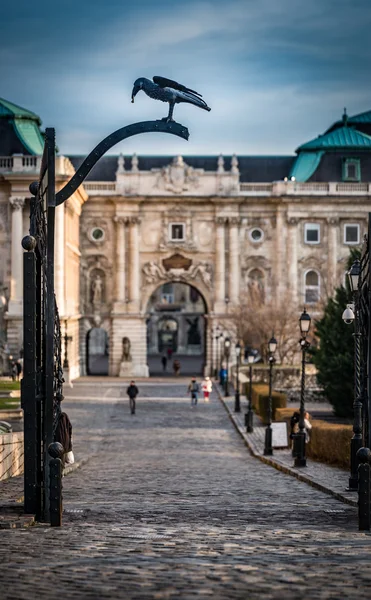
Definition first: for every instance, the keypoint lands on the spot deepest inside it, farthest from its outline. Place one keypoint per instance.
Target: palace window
(351, 169)
(311, 233)
(312, 287)
(177, 232)
(351, 233)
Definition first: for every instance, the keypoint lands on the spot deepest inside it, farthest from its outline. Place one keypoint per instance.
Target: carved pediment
(177, 177)
(177, 261)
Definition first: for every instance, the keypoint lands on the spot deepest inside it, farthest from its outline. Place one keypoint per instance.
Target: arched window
(312, 287)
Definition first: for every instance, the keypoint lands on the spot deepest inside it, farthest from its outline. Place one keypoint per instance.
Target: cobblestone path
(173, 506)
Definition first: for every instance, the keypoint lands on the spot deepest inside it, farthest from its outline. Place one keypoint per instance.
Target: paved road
(173, 506)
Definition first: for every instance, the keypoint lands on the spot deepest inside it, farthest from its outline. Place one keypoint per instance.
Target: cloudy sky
(276, 73)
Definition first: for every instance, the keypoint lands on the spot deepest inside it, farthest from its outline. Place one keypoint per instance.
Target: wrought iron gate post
(42, 386)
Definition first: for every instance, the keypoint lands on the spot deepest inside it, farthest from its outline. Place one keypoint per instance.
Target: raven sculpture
(169, 91)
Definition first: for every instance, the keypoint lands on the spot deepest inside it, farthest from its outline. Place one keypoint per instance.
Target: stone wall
(11, 454)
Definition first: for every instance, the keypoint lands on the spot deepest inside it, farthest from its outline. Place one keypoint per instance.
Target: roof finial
(220, 164)
(120, 164)
(345, 117)
(134, 163)
(234, 164)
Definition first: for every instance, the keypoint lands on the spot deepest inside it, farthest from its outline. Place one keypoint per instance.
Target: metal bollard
(56, 451)
(364, 495)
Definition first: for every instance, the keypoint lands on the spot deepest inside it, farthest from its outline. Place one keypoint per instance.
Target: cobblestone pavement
(333, 480)
(174, 506)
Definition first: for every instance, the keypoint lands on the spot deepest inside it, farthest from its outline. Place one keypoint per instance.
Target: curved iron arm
(111, 140)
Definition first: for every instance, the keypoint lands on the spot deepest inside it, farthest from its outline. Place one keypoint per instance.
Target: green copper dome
(25, 125)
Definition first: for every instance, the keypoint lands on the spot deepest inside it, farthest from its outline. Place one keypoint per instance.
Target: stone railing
(100, 187)
(11, 454)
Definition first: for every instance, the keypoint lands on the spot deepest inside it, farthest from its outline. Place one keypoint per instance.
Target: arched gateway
(176, 329)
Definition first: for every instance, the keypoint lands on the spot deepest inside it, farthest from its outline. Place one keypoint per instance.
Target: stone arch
(182, 304)
(97, 351)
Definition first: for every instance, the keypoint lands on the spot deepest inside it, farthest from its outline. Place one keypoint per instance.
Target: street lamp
(237, 405)
(299, 438)
(249, 415)
(221, 337)
(272, 347)
(356, 441)
(227, 349)
(217, 335)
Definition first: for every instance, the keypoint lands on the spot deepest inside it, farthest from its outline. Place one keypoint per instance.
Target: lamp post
(221, 337)
(356, 441)
(299, 438)
(249, 416)
(67, 338)
(217, 334)
(272, 347)
(227, 349)
(237, 404)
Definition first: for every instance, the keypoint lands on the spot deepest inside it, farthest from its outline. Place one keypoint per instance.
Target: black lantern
(353, 275)
(304, 322)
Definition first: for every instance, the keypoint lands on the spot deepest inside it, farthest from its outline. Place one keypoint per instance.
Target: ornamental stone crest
(155, 272)
(177, 177)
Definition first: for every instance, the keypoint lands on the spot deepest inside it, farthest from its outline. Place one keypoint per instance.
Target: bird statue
(169, 91)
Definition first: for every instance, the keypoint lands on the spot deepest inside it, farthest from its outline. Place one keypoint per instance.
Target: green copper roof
(305, 165)
(344, 137)
(29, 134)
(26, 126)
(10, 110)
(364, 117)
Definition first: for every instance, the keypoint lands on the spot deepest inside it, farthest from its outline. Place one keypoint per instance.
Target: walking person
(207, 388)
(19, 369)
(307, 426)
(169, 353)
(164, 362)
(14, 371)
(132, 392)
(176, 367)
(193, 389)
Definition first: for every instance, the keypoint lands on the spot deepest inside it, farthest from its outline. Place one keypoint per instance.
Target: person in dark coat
(63, 434)
(132, 392)
(19, 369)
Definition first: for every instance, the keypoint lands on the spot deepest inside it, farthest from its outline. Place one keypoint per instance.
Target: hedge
(329, 442)
(260, 399)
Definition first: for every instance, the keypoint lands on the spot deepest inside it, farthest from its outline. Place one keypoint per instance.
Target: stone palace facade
(147, 239)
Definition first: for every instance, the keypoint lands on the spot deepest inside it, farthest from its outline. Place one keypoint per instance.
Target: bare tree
(254, 321)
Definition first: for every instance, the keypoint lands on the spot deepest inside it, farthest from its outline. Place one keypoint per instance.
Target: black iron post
(364, 491)
(300, 437)
(55, 451)
(216, 374)
(221, 359)
(356, 441)
(227, 348)
(237, 404)
(268, 448)
(249, 416)
(67, 338)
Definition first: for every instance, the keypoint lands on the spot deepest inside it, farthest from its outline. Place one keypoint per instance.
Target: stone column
(234, 262)
(292, 257)
(16, 281)
(59, 259)
(220, 265)
(134, 263)
(120, 261)
(280, 254)
(333, 226)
